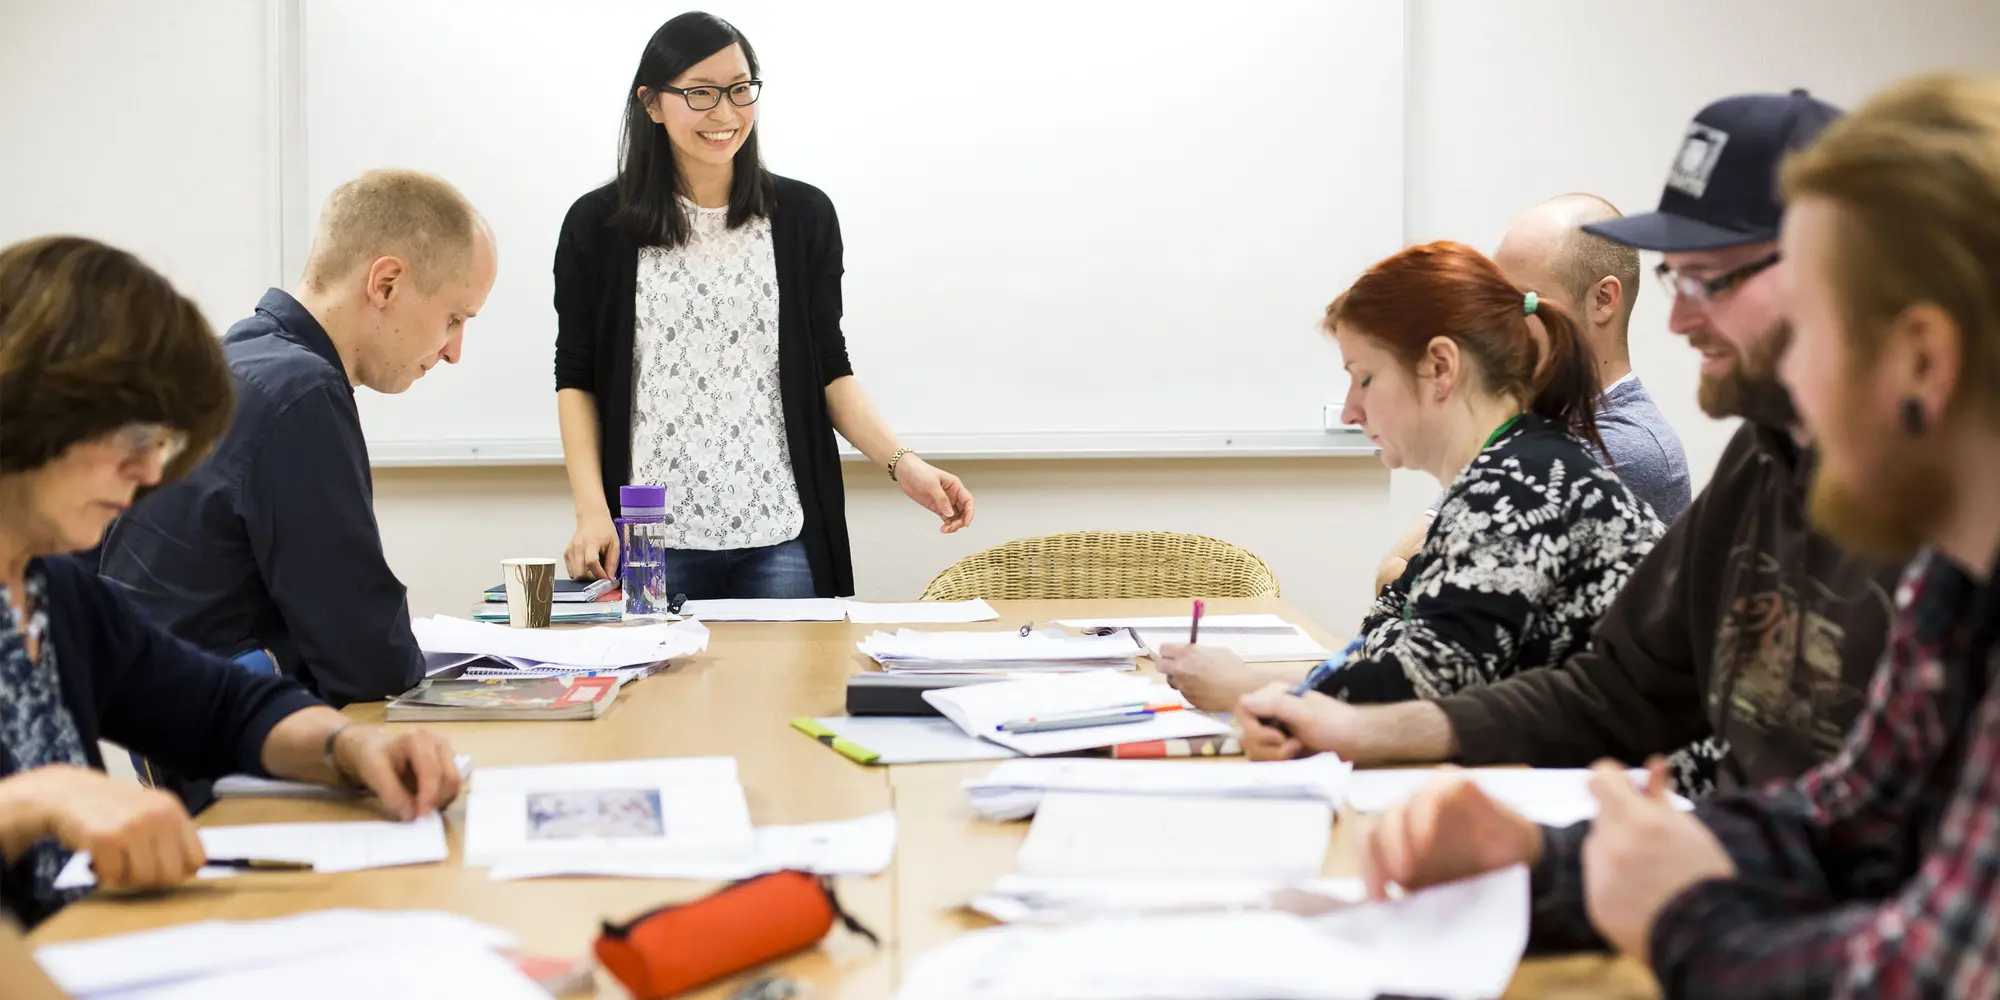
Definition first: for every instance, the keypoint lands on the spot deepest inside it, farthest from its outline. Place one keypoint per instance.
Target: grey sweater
(1642, 447)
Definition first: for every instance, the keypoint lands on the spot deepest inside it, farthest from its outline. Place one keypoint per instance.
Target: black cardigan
(596, 271)
(127, 680)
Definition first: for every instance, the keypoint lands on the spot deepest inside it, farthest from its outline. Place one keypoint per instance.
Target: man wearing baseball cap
(1744, 638)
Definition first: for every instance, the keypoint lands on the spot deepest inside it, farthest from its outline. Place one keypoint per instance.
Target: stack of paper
(1255, 638)
(1551, 796)
(1037, 898)
(452, 643)
(908, 650)
(980, 710)
(1015, 788)
(637, 812)
(372, 953)
(1175, 838)
(328, 847)
(1459, 940)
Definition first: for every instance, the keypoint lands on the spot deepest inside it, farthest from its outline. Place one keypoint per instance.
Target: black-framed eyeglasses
(1704, 291)
(706, 98)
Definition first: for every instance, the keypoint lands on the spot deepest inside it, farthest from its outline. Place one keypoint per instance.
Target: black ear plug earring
(1914, 420)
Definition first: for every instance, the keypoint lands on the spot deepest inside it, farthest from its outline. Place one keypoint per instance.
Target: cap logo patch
(1697, 158)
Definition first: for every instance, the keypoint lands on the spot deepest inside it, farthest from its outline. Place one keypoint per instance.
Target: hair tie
(1528, 304)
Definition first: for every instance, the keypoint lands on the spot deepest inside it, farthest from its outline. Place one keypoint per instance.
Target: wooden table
(737, 699)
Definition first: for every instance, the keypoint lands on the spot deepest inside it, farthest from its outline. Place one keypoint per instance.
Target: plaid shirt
(1875, 874)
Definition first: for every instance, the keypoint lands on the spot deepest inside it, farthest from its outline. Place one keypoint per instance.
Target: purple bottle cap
(642, 500)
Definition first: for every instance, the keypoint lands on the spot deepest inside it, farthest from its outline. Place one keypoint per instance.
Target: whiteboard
(1072, 226)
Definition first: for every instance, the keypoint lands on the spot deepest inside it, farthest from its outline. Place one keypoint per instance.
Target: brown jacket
(1743, 627)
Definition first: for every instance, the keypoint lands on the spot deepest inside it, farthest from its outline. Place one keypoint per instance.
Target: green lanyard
(1502, 429)
(1490, 438)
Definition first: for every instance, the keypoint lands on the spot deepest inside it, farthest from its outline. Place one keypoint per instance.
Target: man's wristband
(340, 778)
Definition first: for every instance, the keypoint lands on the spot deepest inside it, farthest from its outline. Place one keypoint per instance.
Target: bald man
(269, 552)
(1596, 281)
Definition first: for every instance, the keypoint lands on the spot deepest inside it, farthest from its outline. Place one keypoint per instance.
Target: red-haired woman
(1457, 372)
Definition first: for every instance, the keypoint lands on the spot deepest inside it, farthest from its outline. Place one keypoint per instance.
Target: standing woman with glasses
(699, 347)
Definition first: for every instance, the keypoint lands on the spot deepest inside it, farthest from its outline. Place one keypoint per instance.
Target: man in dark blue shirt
(271, 544)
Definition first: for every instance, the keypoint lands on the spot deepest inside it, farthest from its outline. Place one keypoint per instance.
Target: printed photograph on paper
(595, 812)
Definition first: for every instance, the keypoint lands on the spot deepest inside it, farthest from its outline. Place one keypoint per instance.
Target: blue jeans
(772, 571)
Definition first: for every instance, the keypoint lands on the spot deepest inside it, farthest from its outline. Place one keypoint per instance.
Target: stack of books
(577, 602)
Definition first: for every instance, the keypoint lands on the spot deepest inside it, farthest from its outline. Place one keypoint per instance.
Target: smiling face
(1877, 488)
(710, 138)
(1383, 399)
(1741, 334)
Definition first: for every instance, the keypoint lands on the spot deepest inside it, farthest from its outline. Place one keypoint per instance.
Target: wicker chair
(1103, 564)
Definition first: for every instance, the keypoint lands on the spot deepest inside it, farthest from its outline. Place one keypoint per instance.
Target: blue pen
(1317, 676)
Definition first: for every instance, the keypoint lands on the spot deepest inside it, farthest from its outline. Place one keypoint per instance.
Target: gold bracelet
(893, 459)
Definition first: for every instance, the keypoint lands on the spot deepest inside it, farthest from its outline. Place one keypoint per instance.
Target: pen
(1317, 676)
(1081, 721)
(1194, 623)
(258, 864)
(1093, 713)
(1099, 710)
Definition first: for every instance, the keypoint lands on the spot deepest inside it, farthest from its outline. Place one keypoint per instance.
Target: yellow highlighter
(850, 750)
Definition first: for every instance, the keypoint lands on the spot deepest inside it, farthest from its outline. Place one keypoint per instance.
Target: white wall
(1510, 101)
(144, 125)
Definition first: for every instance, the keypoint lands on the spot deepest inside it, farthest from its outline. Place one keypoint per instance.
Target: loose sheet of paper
(1078, 834)
(912, 739)
(1548, 795)
(1459, 940)
(686, 808)
(979, 709)
(413, 969)
(808, 609)
(329, 847)
(863, 846)
(212, 947)
(251, 786)
(928, 612)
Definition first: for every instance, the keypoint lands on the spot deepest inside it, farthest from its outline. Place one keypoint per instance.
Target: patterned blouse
(35, 730)
(1530, 544)
(708, 422)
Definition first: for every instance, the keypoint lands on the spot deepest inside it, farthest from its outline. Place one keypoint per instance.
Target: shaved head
(1545, 250)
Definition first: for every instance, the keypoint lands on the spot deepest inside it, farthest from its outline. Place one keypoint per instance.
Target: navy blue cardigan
(126, 680)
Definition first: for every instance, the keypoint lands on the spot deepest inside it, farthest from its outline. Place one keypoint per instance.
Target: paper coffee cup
(531, 591)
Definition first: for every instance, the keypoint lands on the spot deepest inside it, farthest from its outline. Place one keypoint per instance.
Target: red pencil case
(677, 948)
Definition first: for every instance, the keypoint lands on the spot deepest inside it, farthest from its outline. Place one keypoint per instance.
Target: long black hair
(648, 178)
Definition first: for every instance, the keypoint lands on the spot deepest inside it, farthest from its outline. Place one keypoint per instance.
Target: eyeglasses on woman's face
(741, 94)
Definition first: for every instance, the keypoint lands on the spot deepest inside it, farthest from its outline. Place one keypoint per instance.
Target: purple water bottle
(642, 528)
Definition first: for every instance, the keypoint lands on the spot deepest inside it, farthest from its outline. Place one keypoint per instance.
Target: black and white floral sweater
(1529, 546)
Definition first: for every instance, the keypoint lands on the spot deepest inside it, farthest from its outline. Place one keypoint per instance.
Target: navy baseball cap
(1722, 190)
